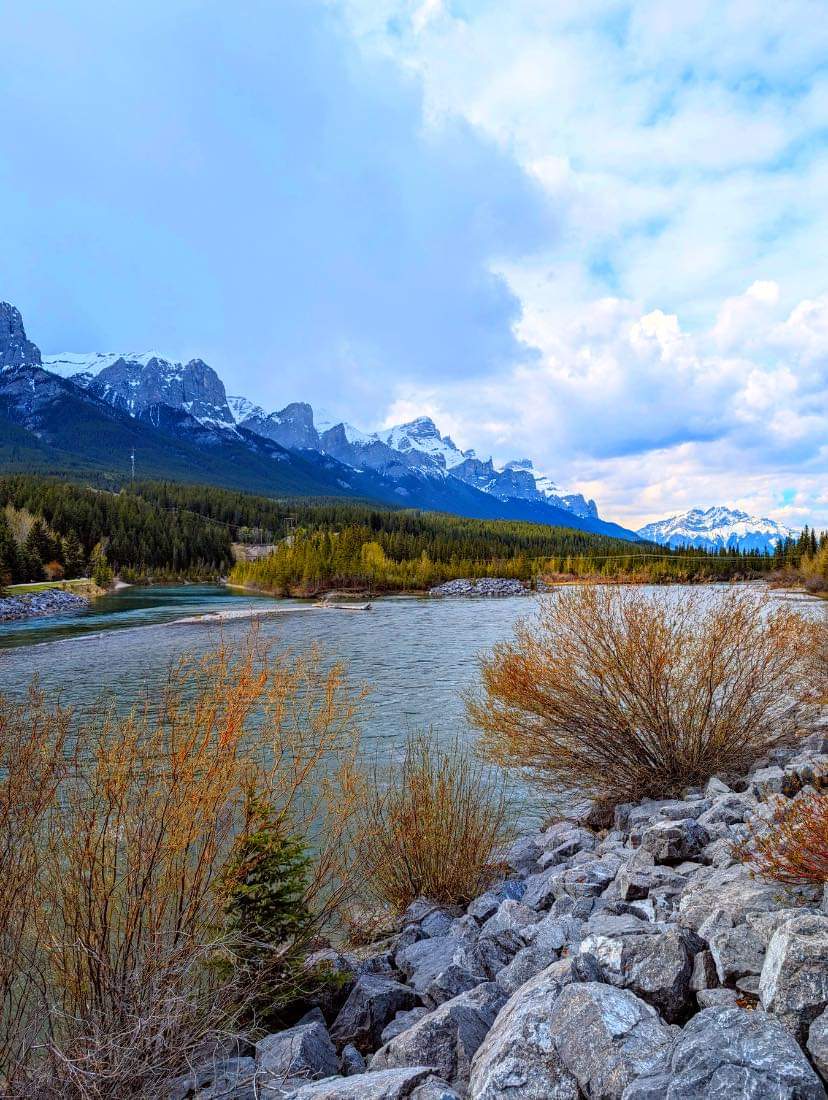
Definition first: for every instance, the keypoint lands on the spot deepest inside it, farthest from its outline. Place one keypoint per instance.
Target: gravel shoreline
(53, 601)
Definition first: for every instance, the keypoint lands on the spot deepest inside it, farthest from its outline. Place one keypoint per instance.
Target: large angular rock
(304, 1052)
(402, 1021)
(656, 966)
(389, 1084)
(736, 952)
(440, 968)
(518, 1059)
(607, 1037)
(733, 892)
(447, 1038)
(794, 980)
(674, 841)
(220, 1079)
(512, 916)
(547, 939)
(372, 1003)
(818, 1044)
(730, 1054)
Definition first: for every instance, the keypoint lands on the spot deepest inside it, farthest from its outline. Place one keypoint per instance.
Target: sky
(591, 232)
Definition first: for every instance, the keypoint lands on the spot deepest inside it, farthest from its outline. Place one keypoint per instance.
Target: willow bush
(127, 841)
(792, 847)
(610, 694)
(432, 826)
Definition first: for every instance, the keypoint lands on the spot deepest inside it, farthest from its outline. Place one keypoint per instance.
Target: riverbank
(27, 601)
(632, 959)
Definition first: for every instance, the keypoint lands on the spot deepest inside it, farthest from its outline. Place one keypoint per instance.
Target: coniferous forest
(51, 529)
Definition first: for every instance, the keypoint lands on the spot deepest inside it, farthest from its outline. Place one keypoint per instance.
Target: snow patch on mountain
(716, 528)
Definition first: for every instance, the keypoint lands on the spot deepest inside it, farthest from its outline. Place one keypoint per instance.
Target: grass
(81, 584)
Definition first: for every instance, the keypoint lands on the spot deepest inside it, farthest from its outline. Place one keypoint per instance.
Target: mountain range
(74, 413)
(717, 528)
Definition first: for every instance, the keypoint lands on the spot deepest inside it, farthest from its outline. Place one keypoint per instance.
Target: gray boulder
(518, 1059)
(730, 1054)
(447, 1038)
(818, 1044)
(546, 939)
(736, 952)
(389, 1084)
(794, 981)
(352, 1061)
(402, 1021)
(607, 1037)
(219, 1079)
(434, 1089)
(371, 1004)
(674, 841)
(304, 1051)
(656, 967)
(440, 968)
(512, 916)
(732, 891)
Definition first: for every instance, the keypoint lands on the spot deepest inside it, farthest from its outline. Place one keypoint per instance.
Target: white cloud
(683, 147)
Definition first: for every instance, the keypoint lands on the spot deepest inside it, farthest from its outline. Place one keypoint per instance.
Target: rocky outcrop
(486, 586)
(15, 349)
(639, 962)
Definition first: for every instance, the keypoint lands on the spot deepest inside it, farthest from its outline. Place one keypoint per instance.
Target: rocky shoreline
(636, 962)
(485, 587)
(52, 601)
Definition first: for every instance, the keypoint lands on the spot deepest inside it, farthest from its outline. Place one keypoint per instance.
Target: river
(416, 654)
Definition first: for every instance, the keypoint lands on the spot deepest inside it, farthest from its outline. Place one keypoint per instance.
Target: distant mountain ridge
(715, 529)
(77, 411)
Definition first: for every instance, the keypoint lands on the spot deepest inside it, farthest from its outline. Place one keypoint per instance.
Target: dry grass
(432, 826)
(113, 904)
(612, 695)
(793, 846)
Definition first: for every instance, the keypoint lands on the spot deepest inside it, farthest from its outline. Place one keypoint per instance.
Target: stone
(440, 968)
(717, 998)
(389, 1084)
(540, 891)
(730, 1054)
(732, 891)
(434, 1089)
(607, 1037)
(219, 1079)
(794, 981)
(512, 916)
(674, 841)
(518, 1059)
(304, 1051)
(655, 966)
(446, 1038)
(487, 904)
(715, 787)
(495, 951)
(704, 975)
(522, 854)
(730, 810)
(767, 781)
(371, 1004)
(402, 1021)
(635, 883)
(432, 920)
(736, 952)
(352, 1061)
(817, 1044)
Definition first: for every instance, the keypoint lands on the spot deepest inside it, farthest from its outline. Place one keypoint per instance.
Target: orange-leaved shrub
(791, 847)
(115, 933)
(617, 695)
(432, 826)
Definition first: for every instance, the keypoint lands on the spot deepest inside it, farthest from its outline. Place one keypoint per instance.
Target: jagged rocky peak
(15, 349)
(717, 528)
(139, 384)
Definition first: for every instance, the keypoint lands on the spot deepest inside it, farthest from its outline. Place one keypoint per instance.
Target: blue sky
(591, 232)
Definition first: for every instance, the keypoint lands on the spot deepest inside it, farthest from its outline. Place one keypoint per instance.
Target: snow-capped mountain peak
(716, 528)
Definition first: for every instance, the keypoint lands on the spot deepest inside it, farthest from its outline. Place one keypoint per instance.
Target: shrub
(793, 846)
(115, 918)
(432, 827)
(615, 695)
